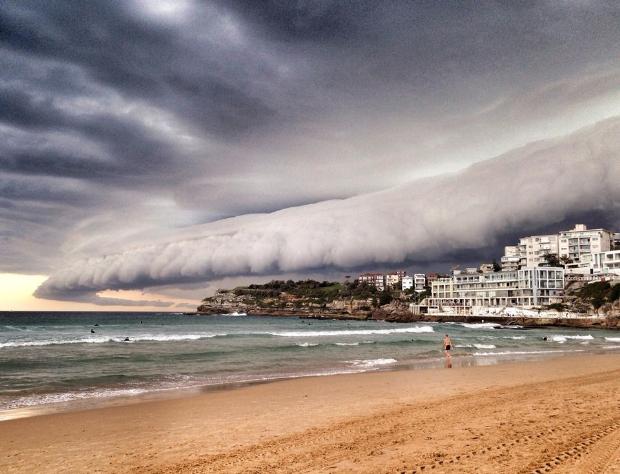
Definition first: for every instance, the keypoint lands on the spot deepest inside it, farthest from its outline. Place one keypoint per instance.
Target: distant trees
(496, 266)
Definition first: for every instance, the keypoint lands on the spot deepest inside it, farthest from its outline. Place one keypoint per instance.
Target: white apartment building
(533, 249)
(419, 282)
(581, 243)
(528, 287)
(407, 283)
(607, 262)
(512, 258)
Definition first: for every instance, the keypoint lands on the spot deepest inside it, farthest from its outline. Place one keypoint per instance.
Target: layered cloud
(144, 124)
(425, 220)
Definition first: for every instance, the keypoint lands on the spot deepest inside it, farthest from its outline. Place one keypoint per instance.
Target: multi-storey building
(528, 287)
(512, 258)
(580, 244)
(533, 249)
(407, 283)
(607, 262)
(419, 282)
(392, 280)
(373, 279)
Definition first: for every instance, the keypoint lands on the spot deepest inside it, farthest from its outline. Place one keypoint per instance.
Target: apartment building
(419, 282)
(392, 280)
(512, 258)
(533, 249)
(527, 287)
(407, 283)
(607, 262)
(581, 243)
(373, 279)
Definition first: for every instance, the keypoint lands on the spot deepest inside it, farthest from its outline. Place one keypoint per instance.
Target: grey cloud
(423, 220)
(138, 125)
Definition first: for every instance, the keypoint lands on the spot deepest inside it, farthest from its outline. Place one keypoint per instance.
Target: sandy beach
(560, 415)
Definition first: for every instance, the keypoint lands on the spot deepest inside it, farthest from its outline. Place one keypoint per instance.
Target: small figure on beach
(545, 338)
(92, 331)
(126, 339)
(96, 324)
(447, 347)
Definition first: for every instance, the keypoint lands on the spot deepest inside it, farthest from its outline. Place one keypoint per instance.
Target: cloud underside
(531, 187)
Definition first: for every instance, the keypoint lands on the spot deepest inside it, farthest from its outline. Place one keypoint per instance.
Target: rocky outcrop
(226, 302)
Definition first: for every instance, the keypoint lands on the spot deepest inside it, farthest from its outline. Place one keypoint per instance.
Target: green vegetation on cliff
(598, 293)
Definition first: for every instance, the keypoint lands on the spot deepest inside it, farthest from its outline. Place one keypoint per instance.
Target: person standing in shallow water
(447, 347)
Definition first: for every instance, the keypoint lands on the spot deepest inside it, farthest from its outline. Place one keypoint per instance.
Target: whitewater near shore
(80, 360)
(561, 414)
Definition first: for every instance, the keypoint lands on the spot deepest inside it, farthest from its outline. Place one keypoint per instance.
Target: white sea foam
(347, 343)
(370, 363)
(484, 346)
(463, 345)
(562, 339)
(479, 325)
(516, 338)
(105, 339)
(613, 339)
(522, 352)
(353, 332)
(307, 344)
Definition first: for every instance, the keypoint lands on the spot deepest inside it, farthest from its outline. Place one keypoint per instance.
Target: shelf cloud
(181, 141)
(422, 220)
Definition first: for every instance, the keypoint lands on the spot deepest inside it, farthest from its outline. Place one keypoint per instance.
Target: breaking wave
(561, 339)
(370, 363)
(352, 332)
(106, 339)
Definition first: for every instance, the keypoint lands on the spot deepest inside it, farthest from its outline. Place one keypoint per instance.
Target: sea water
(53, 359)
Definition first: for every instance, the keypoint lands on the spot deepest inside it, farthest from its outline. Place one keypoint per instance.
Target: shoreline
(528, 322)
(236, 430)
(155, 393)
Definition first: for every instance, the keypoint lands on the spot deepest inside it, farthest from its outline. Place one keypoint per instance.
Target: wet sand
(556, 415)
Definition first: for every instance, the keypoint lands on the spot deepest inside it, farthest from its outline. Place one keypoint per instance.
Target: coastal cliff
(594, 305)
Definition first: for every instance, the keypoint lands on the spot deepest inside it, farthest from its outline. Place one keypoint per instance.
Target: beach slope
(559, 415)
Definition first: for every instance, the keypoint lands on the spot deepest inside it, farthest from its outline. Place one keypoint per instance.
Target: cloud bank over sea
(424, 220)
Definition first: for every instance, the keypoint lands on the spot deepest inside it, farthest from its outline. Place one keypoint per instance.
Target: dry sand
(558, 415)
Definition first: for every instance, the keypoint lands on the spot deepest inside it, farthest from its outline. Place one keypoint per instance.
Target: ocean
(54, 361)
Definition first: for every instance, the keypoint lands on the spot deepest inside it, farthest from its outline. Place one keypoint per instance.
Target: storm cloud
(423, 220)
(128, 126)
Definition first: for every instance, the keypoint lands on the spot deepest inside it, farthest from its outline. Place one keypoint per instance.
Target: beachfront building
(512, 258)
(407, 283)
(581, 243)
(419, 282)
(607, 262)
(533, 249)
(527, 287)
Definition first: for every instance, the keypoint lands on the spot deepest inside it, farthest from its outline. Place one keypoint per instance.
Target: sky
(153, 151)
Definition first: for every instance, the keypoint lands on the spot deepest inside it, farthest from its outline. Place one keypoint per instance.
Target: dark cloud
(134, 120)
(459, 216)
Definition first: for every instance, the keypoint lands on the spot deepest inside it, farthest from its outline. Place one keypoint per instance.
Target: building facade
(512, 259)
(607, 262)
(527, 287)
(419, 282)
(373, 279)
(533, 249)
(392, 280)
(580, 244)
(407, 283)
